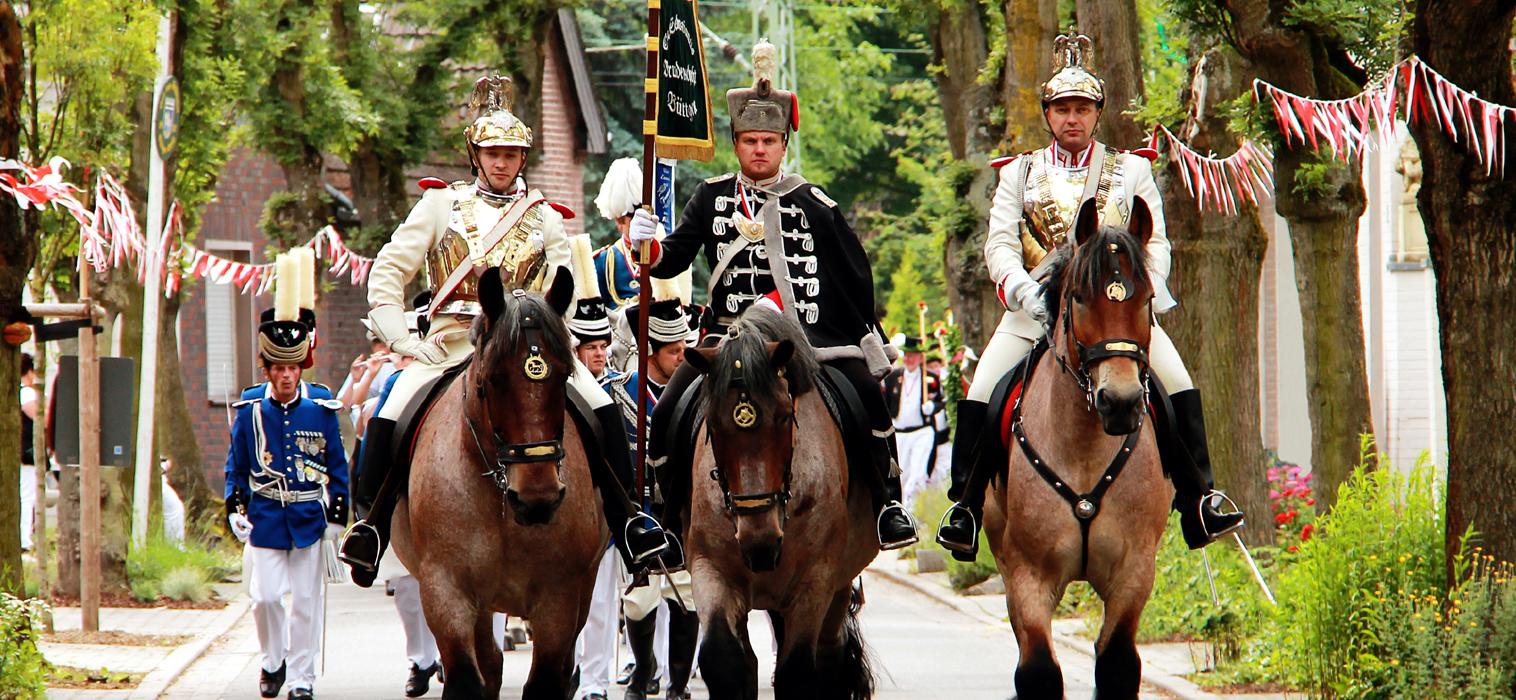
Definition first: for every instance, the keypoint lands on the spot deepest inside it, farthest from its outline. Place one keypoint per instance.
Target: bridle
(536, 369)
(745, 417)
(1105, 349)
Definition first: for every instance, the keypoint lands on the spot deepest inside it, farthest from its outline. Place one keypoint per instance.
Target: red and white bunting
(1220, 182)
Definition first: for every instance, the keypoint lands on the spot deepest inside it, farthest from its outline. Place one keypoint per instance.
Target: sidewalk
(1164, 666)
(161, 664)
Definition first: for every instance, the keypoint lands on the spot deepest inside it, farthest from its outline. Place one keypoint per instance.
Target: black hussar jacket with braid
(833, 286)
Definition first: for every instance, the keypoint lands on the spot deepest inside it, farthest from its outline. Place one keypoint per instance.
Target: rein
(535, 369)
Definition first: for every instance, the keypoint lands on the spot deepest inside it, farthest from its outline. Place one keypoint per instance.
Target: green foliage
(159, 568)
(212, 79)
(23, 671)
(1313, 178)
(1370, 30)
(1165, 70)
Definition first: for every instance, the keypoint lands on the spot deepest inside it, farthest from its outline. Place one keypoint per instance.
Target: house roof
(595, 135)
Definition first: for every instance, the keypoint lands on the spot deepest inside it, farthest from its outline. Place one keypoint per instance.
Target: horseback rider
(286, 490)
(774, 239)
(492, 220)
(1033, 211)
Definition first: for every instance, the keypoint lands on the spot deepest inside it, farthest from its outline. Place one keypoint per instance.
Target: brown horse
(501, 514)
(779, 525)
(1061, 514)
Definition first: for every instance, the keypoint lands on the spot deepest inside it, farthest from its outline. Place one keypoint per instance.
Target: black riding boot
(959, 530)
(684, 630)
(639, 635)
(1189, 465)
(896, 527)
(639, 536)
(367, 539)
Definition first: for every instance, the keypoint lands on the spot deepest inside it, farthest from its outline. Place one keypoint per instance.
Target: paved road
(924, 650)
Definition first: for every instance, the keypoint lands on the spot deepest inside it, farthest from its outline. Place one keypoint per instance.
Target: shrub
(23, 671)
(149, 568)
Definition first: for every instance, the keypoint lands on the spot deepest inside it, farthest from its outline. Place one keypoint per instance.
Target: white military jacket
(445, 210)
(1052, 172)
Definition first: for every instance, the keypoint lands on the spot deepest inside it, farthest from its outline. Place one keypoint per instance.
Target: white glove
(241, 526)
(333, 532)
(644, 226)
(1030, 298)
(389, 323)
(929, 408)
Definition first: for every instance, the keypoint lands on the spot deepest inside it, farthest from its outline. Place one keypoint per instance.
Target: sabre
(1257, 575)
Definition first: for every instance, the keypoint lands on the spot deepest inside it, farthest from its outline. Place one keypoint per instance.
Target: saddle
(408, 424)
(841, 400)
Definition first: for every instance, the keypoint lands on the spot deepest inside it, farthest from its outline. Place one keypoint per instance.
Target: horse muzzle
(760, 538)
(535, 506)
(1120, 410)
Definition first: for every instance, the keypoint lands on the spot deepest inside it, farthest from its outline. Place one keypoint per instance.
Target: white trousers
(28, 503)
(420, 645)
(1009, 345)
(915, 449)
(451, 334)
(595, 652)
(290, 633)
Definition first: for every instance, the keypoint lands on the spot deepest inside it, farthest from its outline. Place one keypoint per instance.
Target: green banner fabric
(684, 105)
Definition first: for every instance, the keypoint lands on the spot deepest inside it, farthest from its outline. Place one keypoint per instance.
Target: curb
(156, 682)
(1173, 685)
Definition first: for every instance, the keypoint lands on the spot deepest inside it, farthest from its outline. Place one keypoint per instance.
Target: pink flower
(1273, 494)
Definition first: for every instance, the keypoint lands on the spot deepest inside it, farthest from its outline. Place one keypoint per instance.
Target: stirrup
(879, 527)
(359, 563)
(957, 546)
(639, 557)
(1215, 498)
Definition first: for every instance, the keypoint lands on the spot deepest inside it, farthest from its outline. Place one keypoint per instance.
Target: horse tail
(857, 669)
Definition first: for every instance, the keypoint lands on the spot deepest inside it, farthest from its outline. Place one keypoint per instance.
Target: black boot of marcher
(639, 635)
(684, 630)
(959, 530)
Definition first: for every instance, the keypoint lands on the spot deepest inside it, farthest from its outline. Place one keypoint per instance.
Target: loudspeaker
(118, 382)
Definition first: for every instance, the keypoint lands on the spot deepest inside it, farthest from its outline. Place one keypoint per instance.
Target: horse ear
(702, 359)
(561, 293)
(1087, 223)
(1140, 223)
(780, 353)
(491, 293)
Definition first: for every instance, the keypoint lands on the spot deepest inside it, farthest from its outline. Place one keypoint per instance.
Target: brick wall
(250, 178)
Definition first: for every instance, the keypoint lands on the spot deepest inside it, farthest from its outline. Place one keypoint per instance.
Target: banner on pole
(684, 103)
(663, 194)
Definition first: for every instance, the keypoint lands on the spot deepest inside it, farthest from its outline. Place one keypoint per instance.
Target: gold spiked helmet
(1072, 54)
(494, 124)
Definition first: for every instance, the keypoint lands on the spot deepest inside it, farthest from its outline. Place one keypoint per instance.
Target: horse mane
(1089, 266)
(504, 333)
(746, 341)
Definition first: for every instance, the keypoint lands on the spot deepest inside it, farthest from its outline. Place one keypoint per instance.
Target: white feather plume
(286, 288)
(665, 289)
(305, 272)
(621, 191)
(765, 62)
(586, 284)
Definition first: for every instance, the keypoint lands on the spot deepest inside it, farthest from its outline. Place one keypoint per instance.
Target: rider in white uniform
(493, 220)
(1033, 210)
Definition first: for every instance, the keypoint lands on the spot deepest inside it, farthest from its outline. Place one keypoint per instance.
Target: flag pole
(644, 290)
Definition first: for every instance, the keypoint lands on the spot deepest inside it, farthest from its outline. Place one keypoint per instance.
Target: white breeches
(28, 503)
(1008, 346)
(420, 645)
(596, 650)
(639, 602)
(915, 449)
(451, 334)
(288, 633)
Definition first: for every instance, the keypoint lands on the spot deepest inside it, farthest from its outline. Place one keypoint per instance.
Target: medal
(751, 230)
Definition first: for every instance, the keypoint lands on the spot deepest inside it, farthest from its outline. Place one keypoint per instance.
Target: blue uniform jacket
(301, 452)
(618, 280)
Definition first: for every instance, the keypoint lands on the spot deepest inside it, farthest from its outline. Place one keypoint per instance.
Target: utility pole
(152, 300)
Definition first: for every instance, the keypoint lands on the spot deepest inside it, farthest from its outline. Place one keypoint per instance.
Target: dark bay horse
(776, 522)
(501, 514)
(1084, 496)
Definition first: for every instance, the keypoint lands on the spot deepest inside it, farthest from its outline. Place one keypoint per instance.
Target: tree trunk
(1322, 201)
(176, 437)
(16, 252)
(1469, 218)
(1218, 260)
(1112, 25)
(378, 182)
